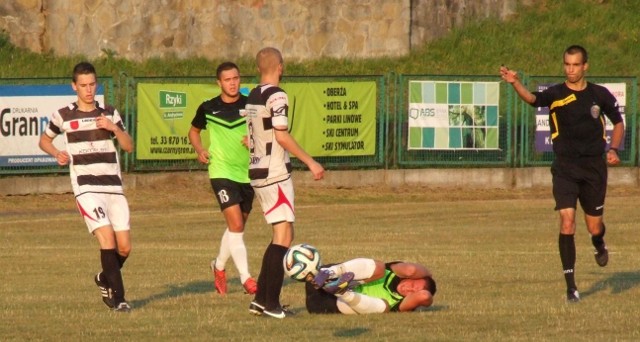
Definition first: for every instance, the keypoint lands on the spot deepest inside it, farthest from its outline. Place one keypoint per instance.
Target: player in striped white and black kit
(270, 173)
(89, 130)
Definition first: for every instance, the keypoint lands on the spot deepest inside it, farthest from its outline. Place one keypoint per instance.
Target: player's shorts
(320, 302)
(229, 193)
(581, 179)
(99, 210)
(276, 201)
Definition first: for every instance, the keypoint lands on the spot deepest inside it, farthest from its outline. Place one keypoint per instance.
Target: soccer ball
(301, 262)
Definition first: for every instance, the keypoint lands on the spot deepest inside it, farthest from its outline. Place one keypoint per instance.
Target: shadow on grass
(618, 282)
(195, 287)
(172, 291)
(355, 332)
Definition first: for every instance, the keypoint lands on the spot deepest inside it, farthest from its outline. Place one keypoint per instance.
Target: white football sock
(239, 254)
(344, 308)
(225, 251)
(360, 303)
(362, 268)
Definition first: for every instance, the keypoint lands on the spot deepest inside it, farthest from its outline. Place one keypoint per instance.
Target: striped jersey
(228, 157)
(93, 165)
(267, 107)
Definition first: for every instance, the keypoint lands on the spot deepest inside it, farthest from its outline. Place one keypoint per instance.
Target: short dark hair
(224, 67)
(573, 49)
(431, 285)
(83, 68)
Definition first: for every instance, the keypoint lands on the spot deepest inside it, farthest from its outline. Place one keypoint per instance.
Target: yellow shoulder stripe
(563, 102)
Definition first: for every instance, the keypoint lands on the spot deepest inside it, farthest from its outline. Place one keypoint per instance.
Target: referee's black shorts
(580, 179)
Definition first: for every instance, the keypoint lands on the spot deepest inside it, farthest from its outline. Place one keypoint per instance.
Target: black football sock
(121, 259)
(568, 257)
(111, 271)
(260, 296)
(275, 276)
(598, 240)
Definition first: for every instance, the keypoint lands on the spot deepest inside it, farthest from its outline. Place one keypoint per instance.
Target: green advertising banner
(333, 119)
(327, 119)
(165, 112)
(453, 115)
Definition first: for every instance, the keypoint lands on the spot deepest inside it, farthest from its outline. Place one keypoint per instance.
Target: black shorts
(229, 193)
(320, 302)
(581, 179)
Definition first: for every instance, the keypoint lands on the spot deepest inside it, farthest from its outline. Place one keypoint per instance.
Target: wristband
(614, 149)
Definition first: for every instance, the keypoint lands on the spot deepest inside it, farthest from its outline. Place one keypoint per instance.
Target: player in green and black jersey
(363, 286)
(228, 161)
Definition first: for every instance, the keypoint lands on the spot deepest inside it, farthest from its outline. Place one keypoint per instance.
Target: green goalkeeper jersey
(229, 157)
(383, 288)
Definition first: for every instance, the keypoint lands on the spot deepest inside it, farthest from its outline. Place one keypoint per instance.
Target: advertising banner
(25, 111)
(333, 119)
(453, 115)
(165, 112)
(327, 119)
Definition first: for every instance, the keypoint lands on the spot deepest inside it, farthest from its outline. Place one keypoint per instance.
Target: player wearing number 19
(90, 152)
(228, 160)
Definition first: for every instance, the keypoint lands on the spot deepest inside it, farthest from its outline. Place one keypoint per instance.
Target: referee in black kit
(577, 111)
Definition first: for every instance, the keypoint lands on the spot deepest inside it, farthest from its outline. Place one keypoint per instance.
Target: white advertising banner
(25, 111)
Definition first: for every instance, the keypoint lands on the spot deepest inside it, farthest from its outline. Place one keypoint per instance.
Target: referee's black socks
(598, 240)
(567, 248)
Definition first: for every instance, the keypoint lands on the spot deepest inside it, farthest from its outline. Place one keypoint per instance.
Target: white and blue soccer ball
(301, 262)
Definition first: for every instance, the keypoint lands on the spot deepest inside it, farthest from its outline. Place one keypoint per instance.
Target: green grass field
(493, 253)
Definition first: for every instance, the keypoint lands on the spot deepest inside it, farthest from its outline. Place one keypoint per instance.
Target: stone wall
(302, 29)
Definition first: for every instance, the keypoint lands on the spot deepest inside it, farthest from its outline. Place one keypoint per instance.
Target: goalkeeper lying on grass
(362, 286)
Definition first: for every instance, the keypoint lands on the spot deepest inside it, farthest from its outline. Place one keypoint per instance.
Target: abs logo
(417, 113)
(172, 99)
